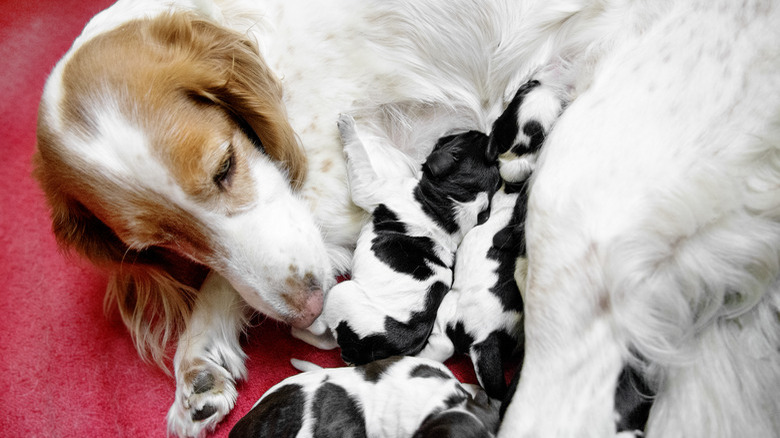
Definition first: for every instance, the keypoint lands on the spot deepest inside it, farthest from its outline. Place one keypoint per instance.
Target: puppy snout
(304, 299)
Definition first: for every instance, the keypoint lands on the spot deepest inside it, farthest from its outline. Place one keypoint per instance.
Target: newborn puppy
(388, 398)
(482, 315)
(402, 266)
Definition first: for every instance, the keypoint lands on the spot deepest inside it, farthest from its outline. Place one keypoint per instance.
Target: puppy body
(404, 257)
(387, 398)
(482, 314)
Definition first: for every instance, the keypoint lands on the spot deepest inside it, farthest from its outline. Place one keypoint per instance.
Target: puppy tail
(304, 366)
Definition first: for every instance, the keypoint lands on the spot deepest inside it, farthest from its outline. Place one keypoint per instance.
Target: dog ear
(441, 162)
(153, 289)
(232, 73)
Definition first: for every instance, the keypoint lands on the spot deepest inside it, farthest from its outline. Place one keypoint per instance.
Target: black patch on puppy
(401, 338)
(505, 129)
(510, 393)
(453, 424)
(336, 414)
(427, 371)
(489, 361)
(460, 339)
(474, 173)
(536, 134)
(385, 220)
(410, 255)
(508, 244)
(373, 371)
(278, 415)
(633, 400)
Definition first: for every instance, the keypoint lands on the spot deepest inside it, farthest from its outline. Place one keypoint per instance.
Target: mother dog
(181, 137)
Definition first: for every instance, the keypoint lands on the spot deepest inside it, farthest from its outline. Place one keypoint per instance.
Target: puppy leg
(440, 347)
(208, 360)
(363, 179)
(518, 134)
(486, 357)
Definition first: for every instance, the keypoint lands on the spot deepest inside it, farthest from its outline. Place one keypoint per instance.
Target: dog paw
(205, 393)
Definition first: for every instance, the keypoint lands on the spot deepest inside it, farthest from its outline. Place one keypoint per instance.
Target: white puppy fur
(389, 398)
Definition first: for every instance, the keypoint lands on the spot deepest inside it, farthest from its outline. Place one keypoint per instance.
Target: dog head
(459, 177)
(474, 416)
(163, 143)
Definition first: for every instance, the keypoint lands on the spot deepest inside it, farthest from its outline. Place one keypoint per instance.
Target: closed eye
(225, 170)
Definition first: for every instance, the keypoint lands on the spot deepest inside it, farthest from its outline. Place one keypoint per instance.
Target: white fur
(650, 229)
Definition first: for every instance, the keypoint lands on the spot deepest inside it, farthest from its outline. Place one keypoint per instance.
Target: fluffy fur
(653, 220)
(388, 398)
(405, 253)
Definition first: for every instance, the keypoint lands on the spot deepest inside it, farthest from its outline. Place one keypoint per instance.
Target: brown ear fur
(153, 289)
(231, 72)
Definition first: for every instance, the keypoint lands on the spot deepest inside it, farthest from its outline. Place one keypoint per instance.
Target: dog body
(389, 398)
(403, 261)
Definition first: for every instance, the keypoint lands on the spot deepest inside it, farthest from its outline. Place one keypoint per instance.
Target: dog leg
(208, 360)
(488, 366)
(518, 134)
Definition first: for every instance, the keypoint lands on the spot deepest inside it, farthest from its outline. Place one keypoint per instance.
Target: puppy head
(471, 417)
(169, 135)
(459, 178)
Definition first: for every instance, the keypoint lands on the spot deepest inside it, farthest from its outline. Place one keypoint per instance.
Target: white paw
(346, 125)
(515, 168)
(205, 392)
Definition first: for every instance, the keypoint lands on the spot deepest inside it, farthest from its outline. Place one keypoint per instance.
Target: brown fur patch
(194, 89)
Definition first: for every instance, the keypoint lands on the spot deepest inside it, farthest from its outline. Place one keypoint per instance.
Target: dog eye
(225, 170)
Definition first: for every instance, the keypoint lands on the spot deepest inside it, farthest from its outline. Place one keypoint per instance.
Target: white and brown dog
(396, 397)
(178, 137)
(404, 257)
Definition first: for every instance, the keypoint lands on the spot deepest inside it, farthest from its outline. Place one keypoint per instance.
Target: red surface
(66, 369)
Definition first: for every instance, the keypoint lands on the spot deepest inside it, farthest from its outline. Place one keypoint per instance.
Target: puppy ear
(231, 72)
(440, 163)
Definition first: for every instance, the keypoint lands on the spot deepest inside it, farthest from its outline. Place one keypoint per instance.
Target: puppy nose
(305, 299)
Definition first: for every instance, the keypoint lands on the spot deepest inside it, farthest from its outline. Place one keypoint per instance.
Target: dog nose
(305, 298)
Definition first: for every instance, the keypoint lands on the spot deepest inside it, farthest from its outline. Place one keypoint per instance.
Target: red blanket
(67, 369)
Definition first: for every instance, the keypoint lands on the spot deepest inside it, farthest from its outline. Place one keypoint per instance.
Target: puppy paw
(346, 125)
(205, 393)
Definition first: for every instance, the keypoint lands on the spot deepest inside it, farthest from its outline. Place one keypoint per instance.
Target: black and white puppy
(402, 266)
(397, 397)
(482, 314)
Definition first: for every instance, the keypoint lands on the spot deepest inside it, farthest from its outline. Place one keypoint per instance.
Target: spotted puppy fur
(397, 397)
(482, 314)
(403, 261)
